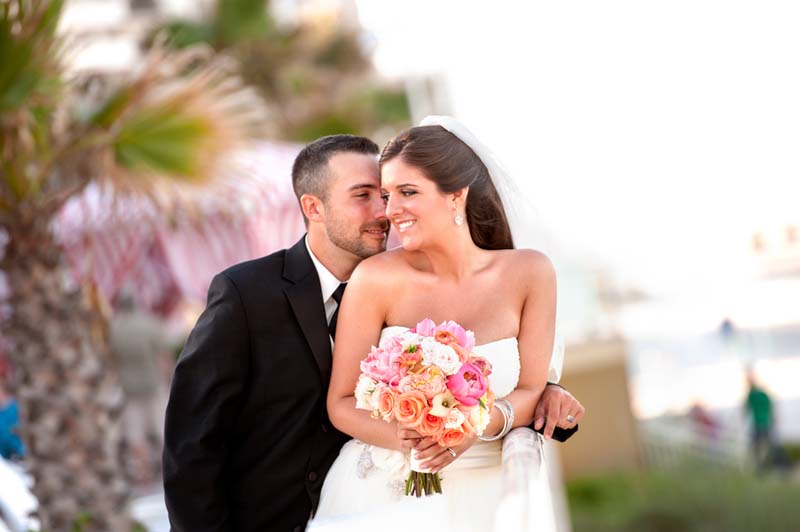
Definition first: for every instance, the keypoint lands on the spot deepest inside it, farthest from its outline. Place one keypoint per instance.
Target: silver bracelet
(505, 407)
(509, 416)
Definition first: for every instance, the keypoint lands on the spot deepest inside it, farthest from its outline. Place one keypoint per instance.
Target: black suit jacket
(247, 438)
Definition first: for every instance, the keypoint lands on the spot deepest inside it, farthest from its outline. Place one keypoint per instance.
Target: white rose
(447, 359)
(408, 339)
(454, 419)
(365, 388)
(428, 345)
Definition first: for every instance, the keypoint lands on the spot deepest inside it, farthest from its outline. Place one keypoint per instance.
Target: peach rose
(452, 437)
(445, 337)
(386, 402)
(431, 425)
(410, 406)
(463, 354)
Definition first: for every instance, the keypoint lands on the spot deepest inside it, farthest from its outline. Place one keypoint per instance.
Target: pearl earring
(459, 219)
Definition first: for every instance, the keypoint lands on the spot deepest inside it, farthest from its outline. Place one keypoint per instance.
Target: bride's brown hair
(452, 165)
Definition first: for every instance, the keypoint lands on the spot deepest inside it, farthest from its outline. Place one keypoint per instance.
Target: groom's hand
(556, 407)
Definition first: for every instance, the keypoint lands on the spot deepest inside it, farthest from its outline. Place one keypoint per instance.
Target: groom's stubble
(355, 213)
(347, 234)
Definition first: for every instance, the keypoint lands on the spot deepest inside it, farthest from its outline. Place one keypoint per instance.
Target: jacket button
(312, 476)
(298, 528)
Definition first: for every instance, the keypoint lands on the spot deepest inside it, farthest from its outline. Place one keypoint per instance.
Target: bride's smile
(421, 214)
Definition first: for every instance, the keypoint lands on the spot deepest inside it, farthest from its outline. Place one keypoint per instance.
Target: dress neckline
(507, 339)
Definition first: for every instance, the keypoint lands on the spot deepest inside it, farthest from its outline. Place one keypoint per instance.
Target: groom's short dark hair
(310, 169)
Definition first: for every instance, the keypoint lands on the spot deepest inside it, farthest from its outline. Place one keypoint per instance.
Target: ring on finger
(451, 451)
(570, 418)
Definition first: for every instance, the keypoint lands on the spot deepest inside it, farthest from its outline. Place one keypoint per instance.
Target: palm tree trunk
(69, 394)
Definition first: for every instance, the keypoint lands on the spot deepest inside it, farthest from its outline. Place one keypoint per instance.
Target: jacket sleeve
(205, 398)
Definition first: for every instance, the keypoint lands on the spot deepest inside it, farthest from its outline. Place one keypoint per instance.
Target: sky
(653, 138)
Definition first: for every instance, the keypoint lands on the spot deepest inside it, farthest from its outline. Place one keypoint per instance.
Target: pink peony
(425, 328)
(465, 338)
(482, 364)
(378, 365)
(467, 385)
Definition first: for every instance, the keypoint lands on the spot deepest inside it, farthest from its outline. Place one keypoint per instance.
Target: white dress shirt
(328, 282)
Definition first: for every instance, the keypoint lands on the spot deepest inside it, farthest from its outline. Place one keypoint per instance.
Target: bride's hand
(434, 457)
(409, 438)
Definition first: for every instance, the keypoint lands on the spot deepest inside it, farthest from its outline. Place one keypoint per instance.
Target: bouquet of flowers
(428, 378)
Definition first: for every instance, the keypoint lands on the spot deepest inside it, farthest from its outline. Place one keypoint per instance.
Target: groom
(247, 438)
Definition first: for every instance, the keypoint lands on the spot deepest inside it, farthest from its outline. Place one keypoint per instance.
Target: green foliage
(163, 139)
(316, 79)
(793, 452)
(687, 499)
(384, 105)
(331, 124)
(241, 20)
(26, 51)
(183, 34)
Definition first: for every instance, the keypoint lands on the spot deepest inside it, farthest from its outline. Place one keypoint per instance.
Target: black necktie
(337, 296)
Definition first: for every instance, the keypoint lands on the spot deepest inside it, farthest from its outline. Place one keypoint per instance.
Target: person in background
(760, 409)
(140, 346)
(11, 447)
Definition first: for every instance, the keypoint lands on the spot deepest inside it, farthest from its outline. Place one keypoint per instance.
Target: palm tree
(172, 122)
(315, 78)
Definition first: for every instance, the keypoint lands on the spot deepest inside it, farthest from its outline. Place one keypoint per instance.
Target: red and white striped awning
(126, 242)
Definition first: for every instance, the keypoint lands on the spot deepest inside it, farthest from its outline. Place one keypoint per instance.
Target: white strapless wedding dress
(364, 489)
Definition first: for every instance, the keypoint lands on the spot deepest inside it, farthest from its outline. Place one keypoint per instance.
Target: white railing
(671, 442)
(526, 502)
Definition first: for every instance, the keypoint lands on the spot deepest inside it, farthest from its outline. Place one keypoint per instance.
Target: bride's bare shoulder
(382, 267)
(529, 265)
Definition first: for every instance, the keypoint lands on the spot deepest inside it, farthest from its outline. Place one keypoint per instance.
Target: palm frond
(28, 50)
(188, 110)
(30, 87)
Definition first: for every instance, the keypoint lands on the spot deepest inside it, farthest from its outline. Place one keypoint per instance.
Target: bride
(457, 262)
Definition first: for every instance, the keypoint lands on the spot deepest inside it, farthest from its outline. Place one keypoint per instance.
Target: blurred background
(147, 145)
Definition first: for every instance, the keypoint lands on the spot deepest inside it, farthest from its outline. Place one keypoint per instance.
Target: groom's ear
(312, 206)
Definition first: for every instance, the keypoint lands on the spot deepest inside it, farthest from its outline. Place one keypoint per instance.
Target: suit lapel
(305, 297)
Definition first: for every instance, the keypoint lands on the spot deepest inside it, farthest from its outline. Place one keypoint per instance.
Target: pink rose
(482, 364)
(467, 385)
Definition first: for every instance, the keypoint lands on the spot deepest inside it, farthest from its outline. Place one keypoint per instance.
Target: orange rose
(410, 406)
(386, 401)
(431, 425)
(452, 437)
(445, 337)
